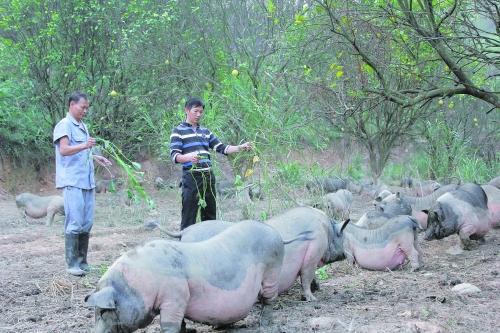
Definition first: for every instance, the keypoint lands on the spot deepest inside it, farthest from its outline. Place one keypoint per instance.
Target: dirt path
(37, 296)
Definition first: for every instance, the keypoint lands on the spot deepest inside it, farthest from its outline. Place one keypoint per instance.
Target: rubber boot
(71, 250)
(83, 246)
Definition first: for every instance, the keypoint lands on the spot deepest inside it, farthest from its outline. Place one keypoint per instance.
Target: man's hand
(101, 160)
(90, 143)
(245, 146)
(192, 157)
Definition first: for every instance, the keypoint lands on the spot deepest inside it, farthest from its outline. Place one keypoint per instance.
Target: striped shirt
(187, 139)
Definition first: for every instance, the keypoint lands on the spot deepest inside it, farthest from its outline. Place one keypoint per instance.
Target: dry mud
(37, 296)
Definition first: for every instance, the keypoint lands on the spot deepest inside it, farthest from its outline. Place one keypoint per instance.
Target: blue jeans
(78, 209)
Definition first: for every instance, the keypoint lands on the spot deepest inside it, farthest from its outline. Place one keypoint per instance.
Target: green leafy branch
(132, 169)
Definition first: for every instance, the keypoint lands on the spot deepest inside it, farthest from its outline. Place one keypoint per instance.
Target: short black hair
(194, 102)
(76, 96)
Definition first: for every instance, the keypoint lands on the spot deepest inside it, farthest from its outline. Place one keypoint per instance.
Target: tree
(427, 38)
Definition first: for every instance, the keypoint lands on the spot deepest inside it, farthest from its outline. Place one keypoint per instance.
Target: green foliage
(470, 168)
(355, 168)
(102, 269)
(291, 172)
(270, 73)
(322, 273)
(467, 168)
(395, 171)
(446, 146)
(132, 172)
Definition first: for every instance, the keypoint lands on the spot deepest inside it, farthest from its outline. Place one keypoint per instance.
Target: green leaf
(202, 203)
(271, 7)
(299, 19)
(367, 68)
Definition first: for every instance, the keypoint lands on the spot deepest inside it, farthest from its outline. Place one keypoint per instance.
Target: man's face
(194, 114)
(79, 109)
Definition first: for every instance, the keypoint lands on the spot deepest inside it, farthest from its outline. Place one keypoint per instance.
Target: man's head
(78, 104)
(194, 108)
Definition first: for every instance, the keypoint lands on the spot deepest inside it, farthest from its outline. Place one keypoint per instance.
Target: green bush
(291, 172)
(474, 169)
(395, 171)
(469, 168)
(355, 169)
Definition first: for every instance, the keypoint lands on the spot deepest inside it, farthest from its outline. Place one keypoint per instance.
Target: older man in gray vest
(75, 175)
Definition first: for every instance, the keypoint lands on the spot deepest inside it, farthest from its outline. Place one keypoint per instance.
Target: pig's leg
(306, 278)
(50, 216)
(349, 256)
(24, 216)
(268, 294)
(266, 314)
(413, 256)
(466, 244)
(416, 245)
(464, 235)
(172, 309)
(170, 327)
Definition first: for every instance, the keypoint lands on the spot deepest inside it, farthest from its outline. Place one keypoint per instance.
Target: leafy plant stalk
(131, 169)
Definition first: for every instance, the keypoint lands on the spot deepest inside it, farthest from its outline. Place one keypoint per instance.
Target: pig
(383, 194)
(225, 188)
(326, 185)
(255, 192)
(353, 186)
(300, 258)
(417, 204)
(338, 204)
(406, 182)
(495, 182)
(107, 185)
(383, 212)
(215, 281)
(493, 195)
(423, 188)
(463, 211)
(36, 206)
(373, 191)
(159, 183)
(386, 247)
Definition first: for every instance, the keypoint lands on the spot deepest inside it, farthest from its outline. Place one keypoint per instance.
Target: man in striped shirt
(189, 146)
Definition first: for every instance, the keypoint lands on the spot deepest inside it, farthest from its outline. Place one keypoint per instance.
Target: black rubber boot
(83, 246)
(71, 251)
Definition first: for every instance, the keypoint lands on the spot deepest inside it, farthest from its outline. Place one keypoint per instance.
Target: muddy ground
(37, 296)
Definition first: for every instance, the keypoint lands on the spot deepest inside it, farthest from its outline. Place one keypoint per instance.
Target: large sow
(300, 258)
(216, 281)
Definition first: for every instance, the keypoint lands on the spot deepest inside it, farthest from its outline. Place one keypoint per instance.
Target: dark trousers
(196, 185)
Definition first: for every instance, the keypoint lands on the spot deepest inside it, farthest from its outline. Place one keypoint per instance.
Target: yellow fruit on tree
(248, 173)
(235, 72)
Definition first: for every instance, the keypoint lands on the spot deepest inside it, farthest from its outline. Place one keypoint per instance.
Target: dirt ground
(36, 295)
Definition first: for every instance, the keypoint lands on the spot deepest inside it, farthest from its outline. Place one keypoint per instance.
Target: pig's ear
(344, 224)
(103, 299)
